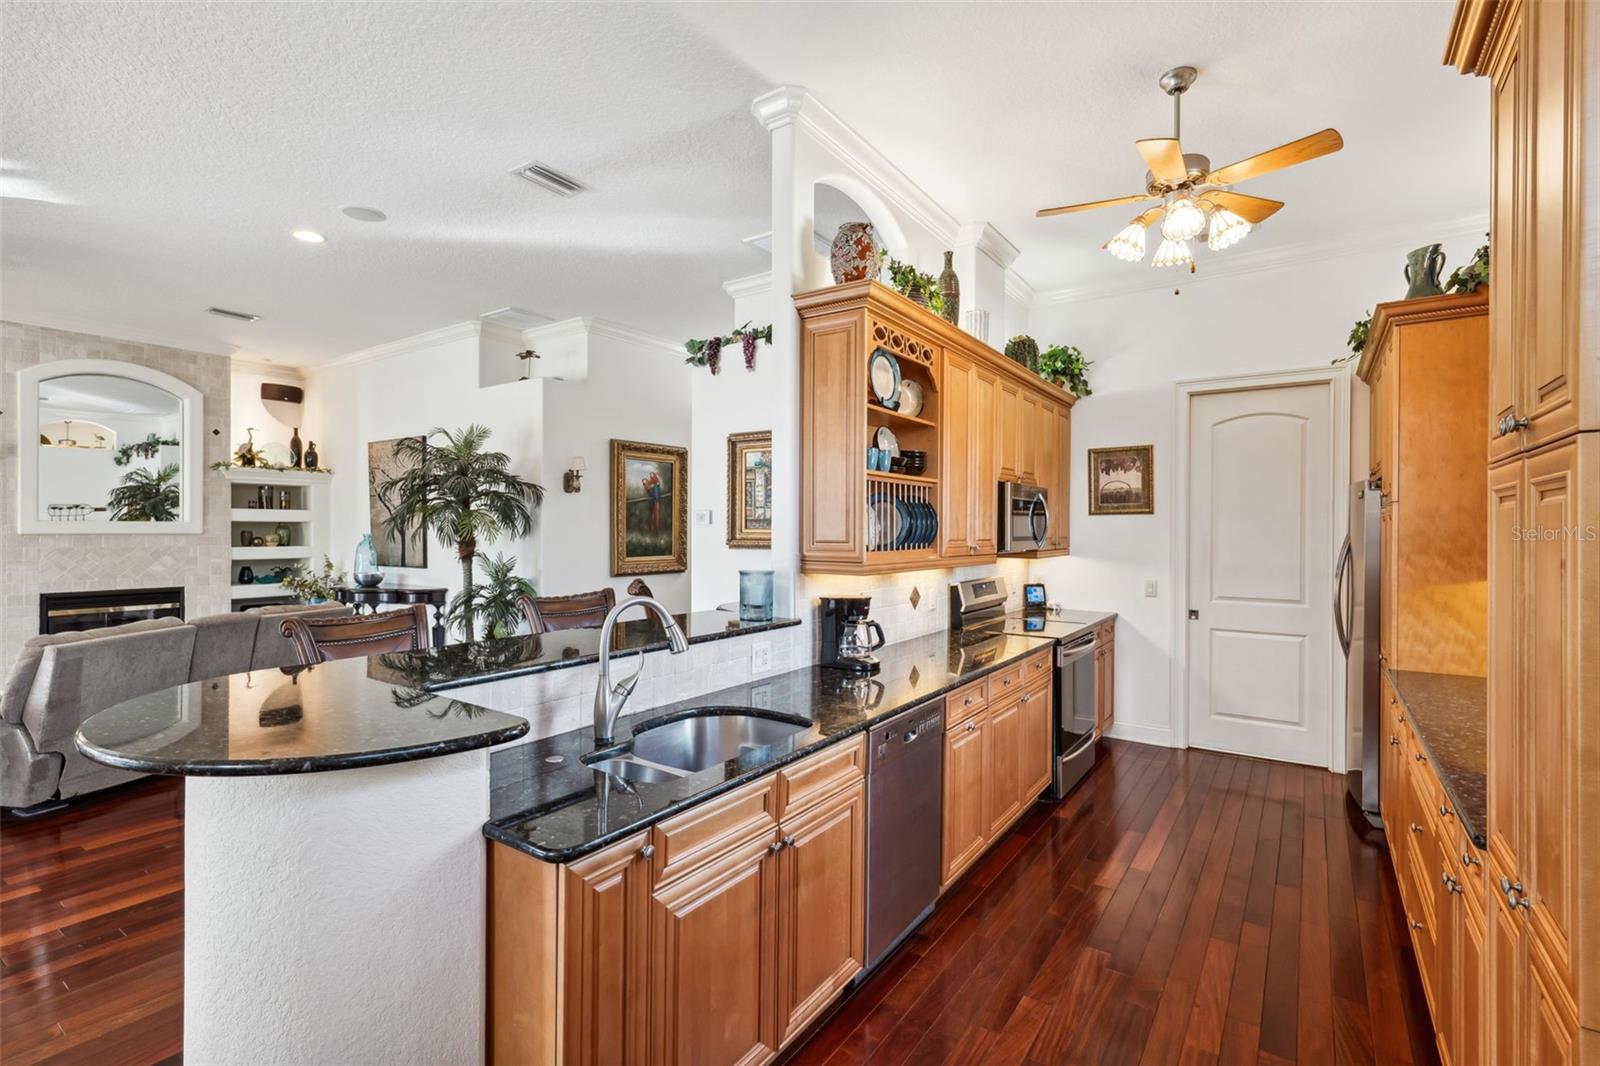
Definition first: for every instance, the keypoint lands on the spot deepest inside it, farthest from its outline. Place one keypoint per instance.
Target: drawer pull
(1394, 741)
(775, 847)
(971, 726)
(1450, 883)
(1467, 859)
(1419, 757)
(1515, 896)
(1413, 923)
(788, 842)
(647, 851)
(1444, 809)
(1415, 828)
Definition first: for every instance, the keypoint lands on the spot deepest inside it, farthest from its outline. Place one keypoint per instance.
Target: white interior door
(1260, 551)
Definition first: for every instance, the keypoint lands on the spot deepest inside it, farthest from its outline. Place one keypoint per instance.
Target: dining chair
(579, 611)
(318, 640)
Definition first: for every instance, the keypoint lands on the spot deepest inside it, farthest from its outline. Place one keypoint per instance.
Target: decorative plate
(886, 442)
(906, 524)
(910, 398)
(883, 371)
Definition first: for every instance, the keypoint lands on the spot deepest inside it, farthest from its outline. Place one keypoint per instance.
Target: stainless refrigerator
(1357, 592)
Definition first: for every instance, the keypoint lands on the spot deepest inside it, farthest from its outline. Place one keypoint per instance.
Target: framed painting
(1122, 480)
(382, 466)
(649, 508)
(750, 490)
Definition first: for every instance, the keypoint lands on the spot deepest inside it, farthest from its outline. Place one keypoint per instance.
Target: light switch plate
(703, 518)
(760, 656)
(1150, 589)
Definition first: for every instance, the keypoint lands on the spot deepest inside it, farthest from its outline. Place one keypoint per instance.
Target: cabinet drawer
(1037, 670)
(692, 839)
(965, 702)
(819, 776)
(1005, 683)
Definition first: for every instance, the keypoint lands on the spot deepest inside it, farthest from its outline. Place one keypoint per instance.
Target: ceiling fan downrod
(1175, 83)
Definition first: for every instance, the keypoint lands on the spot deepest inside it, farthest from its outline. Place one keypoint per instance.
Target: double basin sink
(698, 740)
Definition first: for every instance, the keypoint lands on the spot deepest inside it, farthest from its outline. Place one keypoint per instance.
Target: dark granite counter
(1450, 715)
(290, 721)
(545, 801)
(455, 665)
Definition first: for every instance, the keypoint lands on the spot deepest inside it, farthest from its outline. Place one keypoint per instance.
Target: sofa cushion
(272, 648)
(26, 666)
(77, 679)
(223, 644)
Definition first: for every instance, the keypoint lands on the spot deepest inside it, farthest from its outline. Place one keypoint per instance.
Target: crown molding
(779, 107)
(1018, 290)
(112, 331)
(988, 240)
(268, 370)
(1281, 258)
(584, 327)
(405, 345)
(599, 327)
(749, 285)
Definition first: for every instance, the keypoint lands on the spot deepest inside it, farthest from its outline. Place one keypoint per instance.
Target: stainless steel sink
(710, 736)
(634, 770)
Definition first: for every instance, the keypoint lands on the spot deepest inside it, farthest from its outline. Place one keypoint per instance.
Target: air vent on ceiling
(548, 178)
(241, 316)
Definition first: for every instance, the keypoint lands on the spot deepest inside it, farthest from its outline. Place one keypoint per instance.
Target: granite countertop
(455, 665)
(294, 720)
(1450, 715)
(545, 801)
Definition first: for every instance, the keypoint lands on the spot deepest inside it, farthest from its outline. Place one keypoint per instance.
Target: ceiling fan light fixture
(1128, 244)
(1172, 253)
(1183, 221)
(1227, 229)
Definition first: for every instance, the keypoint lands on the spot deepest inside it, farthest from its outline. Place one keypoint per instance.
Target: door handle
(1194, 615)
(1340, 570)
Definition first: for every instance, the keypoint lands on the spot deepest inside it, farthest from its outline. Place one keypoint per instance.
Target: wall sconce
(572, 480)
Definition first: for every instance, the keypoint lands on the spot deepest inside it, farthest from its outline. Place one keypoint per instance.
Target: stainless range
(978, 610)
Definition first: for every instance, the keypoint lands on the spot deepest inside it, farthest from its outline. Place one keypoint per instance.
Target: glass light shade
(1227, 229)
(1128, 244)
(577, 463)
(1183, 220)
(1172, 253)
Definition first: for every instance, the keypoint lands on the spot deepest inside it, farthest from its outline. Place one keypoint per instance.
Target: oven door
(1075, 713)
(1024, 517)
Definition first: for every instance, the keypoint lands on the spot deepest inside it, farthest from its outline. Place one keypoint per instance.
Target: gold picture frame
(649, 508)
(1122, 480)
(750, 490)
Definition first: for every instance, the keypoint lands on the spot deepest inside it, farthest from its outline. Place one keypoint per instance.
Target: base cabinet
(966, 762)
(1105, 678)
(715, 936)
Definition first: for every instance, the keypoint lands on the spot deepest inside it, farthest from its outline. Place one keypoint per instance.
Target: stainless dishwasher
(905, 777)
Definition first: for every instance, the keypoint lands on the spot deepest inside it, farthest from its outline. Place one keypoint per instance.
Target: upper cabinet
(981, 419)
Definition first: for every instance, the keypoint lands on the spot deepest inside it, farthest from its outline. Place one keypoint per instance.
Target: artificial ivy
(707, 352)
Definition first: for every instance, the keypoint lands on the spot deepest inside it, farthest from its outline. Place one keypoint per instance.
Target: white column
(982, 256)
(337, 917)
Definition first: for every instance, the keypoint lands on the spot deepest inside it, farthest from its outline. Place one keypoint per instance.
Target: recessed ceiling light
(363, 214)
(242, 316)
(310, 236)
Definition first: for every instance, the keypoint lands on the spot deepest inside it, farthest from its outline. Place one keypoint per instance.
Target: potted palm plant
(449, 485)
(494, 603)
(146, 496)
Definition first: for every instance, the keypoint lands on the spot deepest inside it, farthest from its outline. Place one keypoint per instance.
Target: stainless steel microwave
(1024, 517)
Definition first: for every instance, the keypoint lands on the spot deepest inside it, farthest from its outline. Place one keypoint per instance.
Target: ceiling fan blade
(1285, 155)
(1150, 216)
(1252, 209)
(1046, 212)
(1164, 157)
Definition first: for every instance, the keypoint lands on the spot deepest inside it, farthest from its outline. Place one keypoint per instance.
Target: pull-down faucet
(609, 698)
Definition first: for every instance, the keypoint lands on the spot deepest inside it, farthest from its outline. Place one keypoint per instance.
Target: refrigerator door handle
(1341, 570)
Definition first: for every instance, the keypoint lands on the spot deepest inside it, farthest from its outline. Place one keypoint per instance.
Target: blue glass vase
(364, 568)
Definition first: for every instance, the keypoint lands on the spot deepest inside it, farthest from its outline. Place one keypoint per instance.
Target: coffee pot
(849, 637)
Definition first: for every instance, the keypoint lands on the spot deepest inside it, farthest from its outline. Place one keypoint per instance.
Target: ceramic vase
(1423, 267)
(364, 568)
(855, 253)
(311, 456)
(295, 453)
(950, 290)
(284, 537)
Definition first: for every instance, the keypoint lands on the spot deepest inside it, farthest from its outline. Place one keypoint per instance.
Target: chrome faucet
(609, 698)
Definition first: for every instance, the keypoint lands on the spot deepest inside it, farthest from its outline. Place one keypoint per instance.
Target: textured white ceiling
(156, 156)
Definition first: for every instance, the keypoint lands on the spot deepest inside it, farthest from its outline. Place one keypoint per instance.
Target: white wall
(407, 391)
(1141, 344)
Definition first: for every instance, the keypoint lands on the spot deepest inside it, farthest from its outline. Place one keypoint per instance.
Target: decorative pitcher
(1423, 267)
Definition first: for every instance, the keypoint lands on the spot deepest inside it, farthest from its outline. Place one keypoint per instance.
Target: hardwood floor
(1181, 906)
(91, 930)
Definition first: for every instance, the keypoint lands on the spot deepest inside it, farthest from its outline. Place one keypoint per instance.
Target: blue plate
(883, 375)
(908, 525)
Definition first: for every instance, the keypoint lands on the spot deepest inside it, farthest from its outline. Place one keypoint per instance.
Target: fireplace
(66, 612)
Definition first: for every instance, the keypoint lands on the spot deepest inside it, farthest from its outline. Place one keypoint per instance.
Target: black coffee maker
(849, 637)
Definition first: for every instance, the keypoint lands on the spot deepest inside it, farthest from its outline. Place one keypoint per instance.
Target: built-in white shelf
(267, 516)
(271, 590)
(263, 476)
(293, 551)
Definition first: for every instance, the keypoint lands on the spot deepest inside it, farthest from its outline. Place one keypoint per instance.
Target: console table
(358, 597)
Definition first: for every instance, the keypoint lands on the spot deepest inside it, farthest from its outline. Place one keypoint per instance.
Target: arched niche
(840, 198)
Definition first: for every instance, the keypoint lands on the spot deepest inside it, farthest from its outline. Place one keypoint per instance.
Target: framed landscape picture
(382, 465)
(1122, 480)
(750, 490)
(649, 508)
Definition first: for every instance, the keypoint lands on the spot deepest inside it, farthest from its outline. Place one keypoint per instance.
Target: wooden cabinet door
(606, 904)
(1508, 959)
(1507, 729)
(1008, 429)
(985, 462)
(1422, 909)
(833, 437)
(958, 472)
(1551, 767)
(1004, 779)
(1389, 758)
(1061, 495)
(1038, 725)
(1028, 446)
(1509, 219)
(1552, 1027)
(965, 774)
(1387, 607)
(822, 904)
(1470, 960)
(1044, 462)
(713, 959)
(1446, 904)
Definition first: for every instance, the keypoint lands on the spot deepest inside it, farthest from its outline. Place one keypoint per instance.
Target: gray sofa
(62, 679)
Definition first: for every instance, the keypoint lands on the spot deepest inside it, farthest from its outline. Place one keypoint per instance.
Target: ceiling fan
(1194, 198)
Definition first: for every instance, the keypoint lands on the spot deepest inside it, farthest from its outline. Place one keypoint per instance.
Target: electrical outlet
(761, 657)
(703, 518)
(1150, 589)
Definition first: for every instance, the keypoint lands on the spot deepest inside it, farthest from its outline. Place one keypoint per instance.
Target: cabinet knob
(1467, 859)
(1450, 883)
(1515, 895)
(1418, 757)
(647, 851)
(1415, 828)
(1413, 923)
(788, 842)
(775, 847)
(1444, 809)
(971, 726)
(1394, 741)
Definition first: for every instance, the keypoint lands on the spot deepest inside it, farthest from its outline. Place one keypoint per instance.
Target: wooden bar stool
(579, 611)
(317, 640)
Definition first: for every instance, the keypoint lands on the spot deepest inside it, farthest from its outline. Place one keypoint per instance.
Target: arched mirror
(107, 447)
